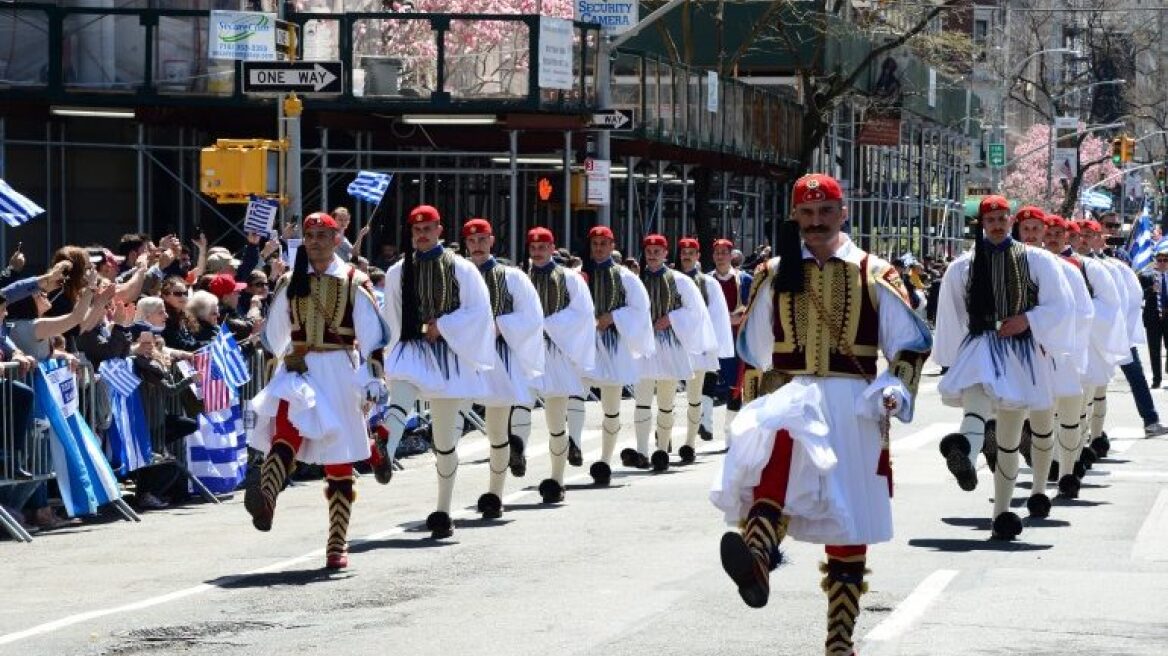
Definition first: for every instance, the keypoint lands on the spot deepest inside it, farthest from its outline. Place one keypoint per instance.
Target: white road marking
(913, 607)
(1138, 474)
(918, 439)
(78, 618)
(1153, 535)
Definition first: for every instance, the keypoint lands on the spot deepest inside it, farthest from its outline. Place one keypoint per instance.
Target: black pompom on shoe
(1007, 526)
(629, 457)
(439, 525)
(1079, 470)
(1101, 445)
(642, 462)
(491, 506)
(955, 449)
(1039, 506)
(551, 491)
(660, 461)
(1068, 487)
(601, 473)
(687, 454)
(1088, 457)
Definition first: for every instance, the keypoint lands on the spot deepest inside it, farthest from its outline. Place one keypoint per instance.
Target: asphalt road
(631, 569)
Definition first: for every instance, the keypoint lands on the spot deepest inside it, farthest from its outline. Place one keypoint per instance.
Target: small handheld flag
(370, 186)
(15, 209)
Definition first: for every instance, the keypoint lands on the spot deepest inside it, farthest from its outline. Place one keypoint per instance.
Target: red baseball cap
(540, 235)
(992, 203)
(1030, 212)
(477, 227)
(224, 284)
(424, 214)
(816, 187)
(688, 242)
(1056, 221)
(724, 242)
(320, 220)
(655, 240)
(604, 232)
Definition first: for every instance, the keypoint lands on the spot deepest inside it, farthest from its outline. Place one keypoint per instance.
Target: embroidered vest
(501, 299)
(1014, 291)
(324, 319)
(663, 295)
(552, 288)
(437, 286)
(807, 343)
(608, 292)
(699, 279)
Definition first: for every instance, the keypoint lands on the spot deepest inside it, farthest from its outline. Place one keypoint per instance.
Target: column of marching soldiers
(1031, 324)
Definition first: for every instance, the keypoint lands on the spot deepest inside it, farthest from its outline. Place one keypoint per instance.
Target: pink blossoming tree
(1026, 181)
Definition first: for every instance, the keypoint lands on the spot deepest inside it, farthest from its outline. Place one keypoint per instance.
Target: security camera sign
(242, 35)
(613, 17)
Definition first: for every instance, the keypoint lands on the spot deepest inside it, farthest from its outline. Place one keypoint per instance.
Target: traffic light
(233, 170)
(1162, 179)
(1117, 151)
(1128, 149)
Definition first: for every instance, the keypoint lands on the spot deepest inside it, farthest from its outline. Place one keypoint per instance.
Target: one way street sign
(302, 76)
(612, 119)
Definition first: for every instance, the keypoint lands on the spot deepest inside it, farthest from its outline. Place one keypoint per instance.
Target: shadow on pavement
(1078, 503)
(1034, 522)
(956, 545)
(269, 579)
(399, 543)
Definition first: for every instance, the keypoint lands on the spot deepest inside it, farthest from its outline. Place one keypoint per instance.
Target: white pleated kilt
(834, 495)
(324, 404)
(1013, 372)
(506, 384)
(560, 377)
(1067, 380)
(435, 369)
(1099, 372)
(704, 362)
(669, 362)
(614, 364)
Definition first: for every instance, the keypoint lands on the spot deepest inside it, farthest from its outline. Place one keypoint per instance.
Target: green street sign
(997, 154)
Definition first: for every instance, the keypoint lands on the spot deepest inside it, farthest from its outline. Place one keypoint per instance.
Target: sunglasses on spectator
(177, 292)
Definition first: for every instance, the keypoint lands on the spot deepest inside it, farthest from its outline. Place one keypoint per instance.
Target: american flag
(216, 393)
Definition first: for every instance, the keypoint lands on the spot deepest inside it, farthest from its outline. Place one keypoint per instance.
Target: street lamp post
(1051, 140)
(995, 174)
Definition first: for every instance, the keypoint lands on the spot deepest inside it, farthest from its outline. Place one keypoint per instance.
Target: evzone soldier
(569, 348)
(682, 330)
(519, 355)
(800, 462)
(321, 315)
(1069, 365)
(624, 333)
(706, 365)
(439, 314)
(997, 304)
(1105, 348)
(735, 286)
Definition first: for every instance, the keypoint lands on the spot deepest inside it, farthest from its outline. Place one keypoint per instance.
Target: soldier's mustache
(815, 230)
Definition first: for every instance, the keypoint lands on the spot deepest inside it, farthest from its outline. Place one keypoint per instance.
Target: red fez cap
(1091, 225)
(424, 214)
(688, 242)
(601, 232)
(320, 220)
(1030, 212)
(655, 240)
(1056, 221)
(477, 227)
(724, 242)
(815, 187)
(540, 235)
(1073, 226)
(991, 203)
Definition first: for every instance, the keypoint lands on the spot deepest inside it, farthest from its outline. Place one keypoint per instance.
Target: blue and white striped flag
(119, 375)
(1142, 245)
(370, 186)
(228, 360)
(217, 452)
(15, 209)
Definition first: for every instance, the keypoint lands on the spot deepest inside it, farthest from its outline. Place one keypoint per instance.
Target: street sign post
(305, 77)
(997, 155)
(612, 119)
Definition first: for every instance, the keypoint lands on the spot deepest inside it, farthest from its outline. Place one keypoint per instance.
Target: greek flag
(119, 375)
(228, 360)
(16, 209)
(370, 186)
(1142, 244)
(84, 478)
(217, 452)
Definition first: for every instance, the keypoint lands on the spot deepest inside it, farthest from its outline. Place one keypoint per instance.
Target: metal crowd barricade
(24, 458)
